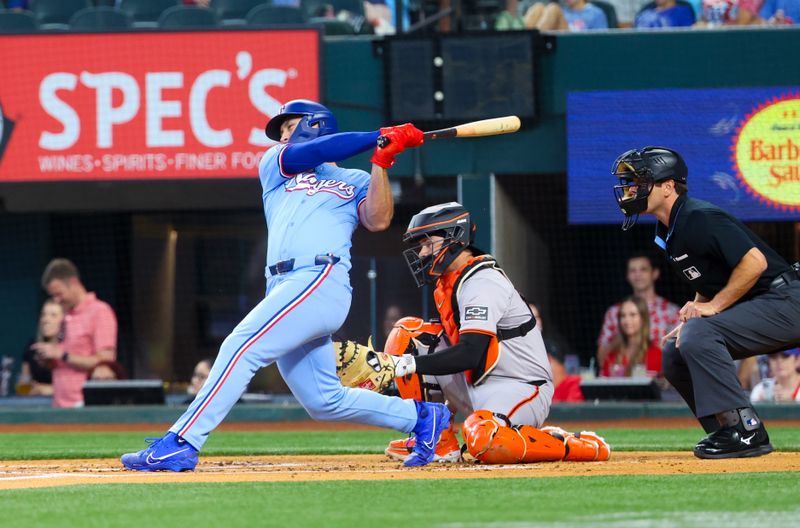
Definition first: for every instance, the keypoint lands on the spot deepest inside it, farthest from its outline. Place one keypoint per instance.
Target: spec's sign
(742, 147)
(147, 105)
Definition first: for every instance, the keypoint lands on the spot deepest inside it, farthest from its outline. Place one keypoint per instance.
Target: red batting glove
(411, 135)
(384, 157)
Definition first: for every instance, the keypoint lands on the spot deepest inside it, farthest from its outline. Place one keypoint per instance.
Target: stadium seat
(145, 13)
(235, 11)
(276, 15)
(17, 22)
(481, 14)
(99, 19)
(610, 11)
(332, 26)
(188, 17)
(55, 14)
(651, 5)
(356, 7)
(352, 6)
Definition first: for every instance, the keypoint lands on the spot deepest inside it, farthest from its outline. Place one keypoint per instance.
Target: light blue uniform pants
(292, 326)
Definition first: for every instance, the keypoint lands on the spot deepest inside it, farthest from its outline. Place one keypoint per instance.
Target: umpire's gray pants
(702, 369)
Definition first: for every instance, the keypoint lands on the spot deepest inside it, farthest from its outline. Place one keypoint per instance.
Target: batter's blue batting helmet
(311, 113)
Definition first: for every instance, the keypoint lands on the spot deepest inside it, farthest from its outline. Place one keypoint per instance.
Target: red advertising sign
(147, 105)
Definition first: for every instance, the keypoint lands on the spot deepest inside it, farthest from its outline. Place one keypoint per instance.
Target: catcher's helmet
(311, 113)
(452, 222)
(638, 171)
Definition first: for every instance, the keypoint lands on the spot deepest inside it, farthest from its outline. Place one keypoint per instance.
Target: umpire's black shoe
(734, 442)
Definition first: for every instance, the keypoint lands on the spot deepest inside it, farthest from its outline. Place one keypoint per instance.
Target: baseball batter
(312, 208)
(495, 371)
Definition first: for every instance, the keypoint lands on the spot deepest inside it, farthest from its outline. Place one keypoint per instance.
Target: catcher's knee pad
(586, 446)
(491, 439)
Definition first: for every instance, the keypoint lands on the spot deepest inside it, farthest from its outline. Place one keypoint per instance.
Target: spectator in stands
(576, 15)
(18, 5)
(35, 377)
(665, 14)
(511, 17)
(633, 351)
(780, 12)
(199, 375)
(108, 370)
(356, 20)
(324, 11)
(784, 385)
(198, 3)
(748, 372)
(718, 13)
(642, 274)
(90, 333)
(392, 314)
(378, 14)
(567, 387)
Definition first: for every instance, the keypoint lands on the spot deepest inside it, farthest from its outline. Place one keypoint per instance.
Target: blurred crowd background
(180, 263)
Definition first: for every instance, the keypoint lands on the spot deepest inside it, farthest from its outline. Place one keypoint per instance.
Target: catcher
(486, 356)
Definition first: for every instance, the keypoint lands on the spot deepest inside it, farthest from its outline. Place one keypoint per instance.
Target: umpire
(747, 298)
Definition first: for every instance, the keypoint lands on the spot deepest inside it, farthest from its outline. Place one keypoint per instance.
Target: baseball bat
(487, 127)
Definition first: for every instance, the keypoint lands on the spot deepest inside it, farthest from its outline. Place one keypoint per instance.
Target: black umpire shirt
(703, 244)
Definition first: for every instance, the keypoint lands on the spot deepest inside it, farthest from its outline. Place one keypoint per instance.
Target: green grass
(14, 446)
(744, 499)
(662, 501)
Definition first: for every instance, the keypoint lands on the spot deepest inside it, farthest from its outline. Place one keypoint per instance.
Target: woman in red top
(632, 351)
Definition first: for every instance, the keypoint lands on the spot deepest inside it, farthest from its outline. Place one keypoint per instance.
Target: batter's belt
(285, 266)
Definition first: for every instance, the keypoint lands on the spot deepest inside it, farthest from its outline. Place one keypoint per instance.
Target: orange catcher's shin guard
(491, 439)
(586, 446)
(603, 449)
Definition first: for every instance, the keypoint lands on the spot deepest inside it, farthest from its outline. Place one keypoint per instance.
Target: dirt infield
(48, 473)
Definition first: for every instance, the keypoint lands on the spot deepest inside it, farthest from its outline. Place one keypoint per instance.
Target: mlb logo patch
(752, 422)
(692, 273)
(476, 313)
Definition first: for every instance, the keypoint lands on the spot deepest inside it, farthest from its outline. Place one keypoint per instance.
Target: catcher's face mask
(635, 185)
(430, 254)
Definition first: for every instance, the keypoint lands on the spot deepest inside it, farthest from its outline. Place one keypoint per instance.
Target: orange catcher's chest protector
(412, 335)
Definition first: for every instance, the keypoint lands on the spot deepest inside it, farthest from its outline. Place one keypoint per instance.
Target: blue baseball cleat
(432, 419)
(168, 453)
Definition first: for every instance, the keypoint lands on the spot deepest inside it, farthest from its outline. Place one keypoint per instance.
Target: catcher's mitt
(359, 366)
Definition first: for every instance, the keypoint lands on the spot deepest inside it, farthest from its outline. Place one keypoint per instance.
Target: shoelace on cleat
(152, 442)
